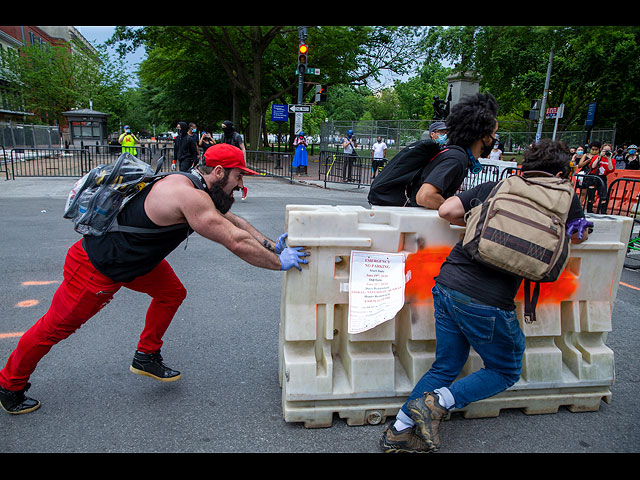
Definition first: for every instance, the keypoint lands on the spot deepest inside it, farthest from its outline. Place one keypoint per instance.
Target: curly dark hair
(474, 117)
(548, 156)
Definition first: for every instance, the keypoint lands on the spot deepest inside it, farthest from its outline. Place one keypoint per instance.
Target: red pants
(82, 294)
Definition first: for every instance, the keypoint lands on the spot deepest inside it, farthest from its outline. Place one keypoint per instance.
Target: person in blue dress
(300, 158)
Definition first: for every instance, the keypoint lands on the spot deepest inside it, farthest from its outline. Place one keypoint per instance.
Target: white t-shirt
(495, 154)
(378, 149)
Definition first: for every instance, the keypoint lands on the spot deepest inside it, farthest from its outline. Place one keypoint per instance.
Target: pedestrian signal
(321, 93)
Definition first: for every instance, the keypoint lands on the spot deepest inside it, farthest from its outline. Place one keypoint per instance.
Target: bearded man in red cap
(96, 267)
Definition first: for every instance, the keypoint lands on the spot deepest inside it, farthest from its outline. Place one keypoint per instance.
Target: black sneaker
(15, 402)
(150, 365)
(403, 441)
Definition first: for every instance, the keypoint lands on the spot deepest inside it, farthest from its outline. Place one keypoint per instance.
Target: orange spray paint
(425, 265)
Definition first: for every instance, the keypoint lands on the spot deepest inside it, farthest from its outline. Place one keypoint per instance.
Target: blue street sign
(591, 114)
(279, 113)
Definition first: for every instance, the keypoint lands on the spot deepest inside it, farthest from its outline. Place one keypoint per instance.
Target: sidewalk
(33, 187)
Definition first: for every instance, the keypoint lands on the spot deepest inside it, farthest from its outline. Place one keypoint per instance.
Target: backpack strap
(197, 182)
(530, 301)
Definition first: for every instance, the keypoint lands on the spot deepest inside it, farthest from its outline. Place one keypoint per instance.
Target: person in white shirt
(496, 153)
(379, 153)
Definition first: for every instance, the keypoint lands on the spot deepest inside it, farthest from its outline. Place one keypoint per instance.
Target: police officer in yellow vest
(128, 141)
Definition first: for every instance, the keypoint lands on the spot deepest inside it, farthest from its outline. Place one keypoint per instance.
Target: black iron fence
(271, 164)
(344, 168)
(75, 162)
(70, 162)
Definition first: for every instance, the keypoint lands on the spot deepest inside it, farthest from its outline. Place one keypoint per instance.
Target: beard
(222, 200)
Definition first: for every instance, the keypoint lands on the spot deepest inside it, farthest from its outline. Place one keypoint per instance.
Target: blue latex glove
(281, 244)
(293, 257)
(578, 225)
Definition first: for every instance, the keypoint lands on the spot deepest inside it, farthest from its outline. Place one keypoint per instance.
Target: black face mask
(486, 149)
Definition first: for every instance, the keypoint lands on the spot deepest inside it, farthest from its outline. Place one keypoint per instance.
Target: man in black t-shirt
(472, 125)
(473, 307)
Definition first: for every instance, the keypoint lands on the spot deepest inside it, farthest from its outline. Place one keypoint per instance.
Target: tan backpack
(521, 229)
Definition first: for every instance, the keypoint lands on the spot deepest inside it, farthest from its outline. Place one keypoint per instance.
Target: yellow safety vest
(128, 141)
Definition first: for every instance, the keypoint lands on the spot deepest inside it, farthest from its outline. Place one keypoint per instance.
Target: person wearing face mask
(576, 158)
(471, 132)
(618, 157)
(187, 148)
(300, 157)
(379, 154)
(631, 158)
(601, 166)
(349, 145)
(438, 133)
(496, 153)
(193, 131)
(592, 151)
(128, 141)
(176, 144)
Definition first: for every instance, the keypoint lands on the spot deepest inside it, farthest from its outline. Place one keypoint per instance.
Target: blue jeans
(494, 333)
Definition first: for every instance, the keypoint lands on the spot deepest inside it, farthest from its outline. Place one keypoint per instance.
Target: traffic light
(302, 58)
(321, 93)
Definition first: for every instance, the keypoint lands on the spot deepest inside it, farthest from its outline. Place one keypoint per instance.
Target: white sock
(445, 397)
(403, 421)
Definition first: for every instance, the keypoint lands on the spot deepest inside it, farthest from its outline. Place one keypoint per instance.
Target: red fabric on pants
(83, 293)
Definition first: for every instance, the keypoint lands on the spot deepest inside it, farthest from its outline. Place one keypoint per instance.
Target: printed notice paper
(376, 289)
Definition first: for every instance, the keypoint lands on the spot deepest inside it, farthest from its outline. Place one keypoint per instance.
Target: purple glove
(578, 225)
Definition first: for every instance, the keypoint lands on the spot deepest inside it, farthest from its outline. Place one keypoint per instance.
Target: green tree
(416, 94)
(589, 62)
(259, 61)
(51, 79)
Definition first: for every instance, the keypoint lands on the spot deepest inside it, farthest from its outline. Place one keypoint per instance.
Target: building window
(86, 129)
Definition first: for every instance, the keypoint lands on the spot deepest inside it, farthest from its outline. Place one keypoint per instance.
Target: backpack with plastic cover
(96, 199)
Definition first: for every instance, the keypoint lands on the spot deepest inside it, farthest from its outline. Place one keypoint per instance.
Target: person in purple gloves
(474, 307)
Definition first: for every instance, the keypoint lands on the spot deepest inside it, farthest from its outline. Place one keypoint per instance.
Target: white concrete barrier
(366, 377)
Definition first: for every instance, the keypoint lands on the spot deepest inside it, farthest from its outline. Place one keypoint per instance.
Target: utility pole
(543, 106)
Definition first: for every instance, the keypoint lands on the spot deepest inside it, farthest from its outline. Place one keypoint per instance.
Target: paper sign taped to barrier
(376, 289)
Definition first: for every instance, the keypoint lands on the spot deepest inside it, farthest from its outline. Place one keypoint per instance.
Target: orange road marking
(11, 335)
(630, 286)
(27, 303)
(36, 282)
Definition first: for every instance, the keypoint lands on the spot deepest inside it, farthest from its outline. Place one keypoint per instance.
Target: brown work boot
(427, 412)
(404, 441)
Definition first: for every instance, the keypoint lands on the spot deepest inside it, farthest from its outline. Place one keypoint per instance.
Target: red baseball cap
(227, 156)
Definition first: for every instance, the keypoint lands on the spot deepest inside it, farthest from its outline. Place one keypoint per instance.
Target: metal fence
(75, 162)
(30, 136)
(69, 162)
(397, 134)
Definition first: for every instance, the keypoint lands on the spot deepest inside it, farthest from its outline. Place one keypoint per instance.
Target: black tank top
(123, 256)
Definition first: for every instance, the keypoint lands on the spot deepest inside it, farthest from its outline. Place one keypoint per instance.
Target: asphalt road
(224, 340)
